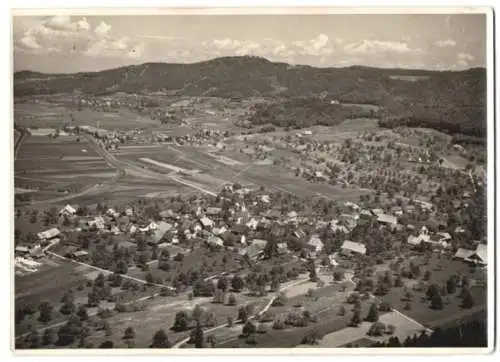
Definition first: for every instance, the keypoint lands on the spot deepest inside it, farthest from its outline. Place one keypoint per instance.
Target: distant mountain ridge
(239, 77)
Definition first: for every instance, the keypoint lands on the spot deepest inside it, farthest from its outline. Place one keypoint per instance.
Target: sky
(67, 44)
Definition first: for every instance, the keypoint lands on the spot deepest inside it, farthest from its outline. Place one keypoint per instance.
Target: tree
(106, 344)
(427, 275)
(93, 298)
(99, 281)
(160, 340)
(356, 318)
(68, 307)
(243, 314)
(197, 313)
(129, 333)
(280, 299)
(198, 337)
(45, 310)
(33, 339)
(451, 286)
(237, 283)
(437, 302)
(82, 313)
(467, 301)
(432, 291)
(48, 337)
(376, 329)
(181, 321)
(231, 300)
(222, 283)
(373, 313)
(398, 282)
(249, 329)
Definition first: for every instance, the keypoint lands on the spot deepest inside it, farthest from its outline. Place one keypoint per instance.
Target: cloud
(445, 43)
(463, 61)
(67, 35)
(319, 46)
(102, 28)
(29, 42)
(465, 56)
(375, 46)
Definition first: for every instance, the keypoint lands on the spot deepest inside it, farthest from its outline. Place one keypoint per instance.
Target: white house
(49, 234)
(350, 247)
(67, 210)
(316, 243)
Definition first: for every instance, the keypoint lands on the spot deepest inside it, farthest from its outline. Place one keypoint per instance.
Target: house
(387, 219)
(129, 212)
(444, 236)
(292, 216)
(159, 232)
(365, 213)
(459, 230)
(260, 243)
(397, 210)
(206, 222)
(349, 248)
(115, 230)
(20, 250)
(299, 234)
(132, 229)
(351, 205)
(97, 222)
(265, 199)
(67, 210)
(377, 211)
(48, 234)
(333, 259)
(336, 227)
(213, 211)
(417, 240)
(252, 251)
(215, 241)
(112, 213)
(150, 227)
(80, 254)
(315, 243)
(252, 223)
(219, 230)
(37, 252)
(273, 214)
(478, 256)
(282, 248)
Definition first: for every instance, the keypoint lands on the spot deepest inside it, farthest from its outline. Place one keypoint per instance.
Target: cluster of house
(239, 227)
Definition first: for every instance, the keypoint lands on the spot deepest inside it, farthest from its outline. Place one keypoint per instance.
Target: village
(146, 240)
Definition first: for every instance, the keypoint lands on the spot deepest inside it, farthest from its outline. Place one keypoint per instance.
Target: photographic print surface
(250, 181)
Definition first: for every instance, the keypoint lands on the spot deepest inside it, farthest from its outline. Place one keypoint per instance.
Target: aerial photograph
(250, 181)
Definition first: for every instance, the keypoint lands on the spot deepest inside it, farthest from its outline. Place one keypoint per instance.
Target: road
(19, 142)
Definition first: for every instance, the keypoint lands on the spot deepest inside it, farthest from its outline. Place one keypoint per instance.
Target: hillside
(240, 77)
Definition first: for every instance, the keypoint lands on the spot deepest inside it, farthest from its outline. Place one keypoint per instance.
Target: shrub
(390, 329)
(376, 329)
(278, 324)
(385, 307)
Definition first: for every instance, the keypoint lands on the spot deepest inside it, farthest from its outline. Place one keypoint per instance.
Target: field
(55, 167)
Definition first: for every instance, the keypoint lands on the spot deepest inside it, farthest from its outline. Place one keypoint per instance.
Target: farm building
(81, 254)
(21, 250)
(48, 234)
(349, 248)
(158, 233)
(282, 248)
(478, 256)
(67, 210)
(252, 223)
